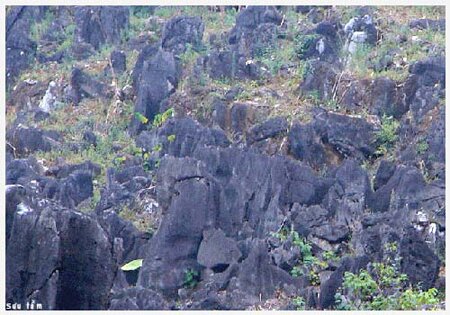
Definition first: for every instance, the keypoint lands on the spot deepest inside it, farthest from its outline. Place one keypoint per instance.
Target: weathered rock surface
(256, 29)
(118, 62)
(64, 245)
(84, 86)
(436, 25)
(25, 140)
(181, 31)
(345, 136)
(158, 79)
(100, 25)
(251, 173)
(216, 251)
(20, 48)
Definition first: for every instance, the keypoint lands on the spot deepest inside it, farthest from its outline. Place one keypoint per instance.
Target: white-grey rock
(48, 102)
(348, 28)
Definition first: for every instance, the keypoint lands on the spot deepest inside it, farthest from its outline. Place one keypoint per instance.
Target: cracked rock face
(153, 87)
(267, 182)
(99, 25)
(73, 256)
(181, 31)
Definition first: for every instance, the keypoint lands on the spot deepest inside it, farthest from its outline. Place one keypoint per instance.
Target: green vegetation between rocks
(383, 289)
(191, 278)
(387, 135)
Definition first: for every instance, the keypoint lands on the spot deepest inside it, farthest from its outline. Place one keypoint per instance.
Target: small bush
(384, 288)
(171, 138)
(38, 29)
(308, 264)
(358, 61)
(422, 147)
(142, 119)
(299, 303)
(330, 255)
(191, 278)
(276, 57)
(302, 43)
(160, 119)
(387, 135)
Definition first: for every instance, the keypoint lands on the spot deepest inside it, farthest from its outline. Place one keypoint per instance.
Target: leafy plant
(141, 118)
(360, 285)
(157, 147)
(132, 265)
(171, 138)
(276, 57)
(38, 29)
(137, 23)
(95, 199)
(299, 303)
(160, 119)
(413, 299)
(387, 275)
(383, 288)
(421, 147)
(314, 277)
(359, 61)
(303, 43)
(282, 234)
(387, 135)
(330, 255)
(243, 96)
(190, 55)
(305, 249)
(191, 278)
(296, 271)
(391, 247)
(119, 160)
(165, 11)
(66, 42)
(314, 97)
(341, 302)
(308, 264)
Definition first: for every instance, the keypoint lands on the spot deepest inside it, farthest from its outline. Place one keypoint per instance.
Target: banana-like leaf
(132, 265)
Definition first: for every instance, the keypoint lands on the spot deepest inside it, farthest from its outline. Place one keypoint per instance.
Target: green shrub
(296, 271)
(191, 278)
(302, 43)
(276, 57)
(166, 11)
(422, 147)
(416, 299)
(391, 247)
(359, 61)
(299, 303)
(39, 28)
(160, 119)
(384, 288)
(142, 119)
(308, 264)
(171, 138)
(360, 285)
(157, 148)
(387, 135)
(305, 249)
(330, 255)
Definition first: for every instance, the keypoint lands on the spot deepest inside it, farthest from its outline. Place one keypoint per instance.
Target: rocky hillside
(224, 158)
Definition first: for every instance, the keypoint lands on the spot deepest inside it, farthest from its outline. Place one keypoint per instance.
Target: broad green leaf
(132, 265)
(141, 118)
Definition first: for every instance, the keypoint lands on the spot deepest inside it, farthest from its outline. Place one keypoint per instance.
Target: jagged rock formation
(99, 25)
(226, 169)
